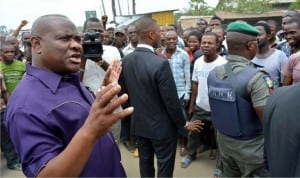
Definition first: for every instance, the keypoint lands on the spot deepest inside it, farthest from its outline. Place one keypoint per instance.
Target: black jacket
(148, 80)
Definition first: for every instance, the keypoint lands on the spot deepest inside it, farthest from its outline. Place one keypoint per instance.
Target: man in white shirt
(199, 104)
(133, 41)
(94, 69)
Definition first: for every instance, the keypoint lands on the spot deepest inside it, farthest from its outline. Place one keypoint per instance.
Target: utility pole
(113, 6)
(120, 10)
(103, 7)
(128, 7)
(133, 7)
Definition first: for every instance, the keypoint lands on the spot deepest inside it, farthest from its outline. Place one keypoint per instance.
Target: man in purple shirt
(59, 129)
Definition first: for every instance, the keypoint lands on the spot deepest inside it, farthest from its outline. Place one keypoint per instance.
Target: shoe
(217, 173)
(128, 146)
(136, 153)
(183, 151)
(15, 166)
(185, 162)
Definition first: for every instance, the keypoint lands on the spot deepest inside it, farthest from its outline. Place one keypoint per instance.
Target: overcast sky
(13, 11)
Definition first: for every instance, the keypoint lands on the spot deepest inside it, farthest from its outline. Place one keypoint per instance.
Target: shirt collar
(146, 46)
(236, 58)
(130, 46)
(165, 50)
(50, 79)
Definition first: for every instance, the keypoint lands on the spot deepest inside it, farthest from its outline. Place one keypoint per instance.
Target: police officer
(237, 94)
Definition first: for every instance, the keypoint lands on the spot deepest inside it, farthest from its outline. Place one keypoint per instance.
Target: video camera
(92, 46)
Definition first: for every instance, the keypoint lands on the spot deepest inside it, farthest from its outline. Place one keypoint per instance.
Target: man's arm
(259, 112)
(259, 91)
(98, 123)
(3, 89)
(168, 93)
(187, 77)
(70, 162)
(193, 97)
(19, 28)
(287, 81)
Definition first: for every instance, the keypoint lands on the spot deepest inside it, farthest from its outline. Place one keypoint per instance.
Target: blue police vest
(231, 108)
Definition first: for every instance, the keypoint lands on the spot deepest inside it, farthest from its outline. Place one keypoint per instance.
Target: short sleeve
(194, 75)
(258, 89)
(33, 141)
(288, 68)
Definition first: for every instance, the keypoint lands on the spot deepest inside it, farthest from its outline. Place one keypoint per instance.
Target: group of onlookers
(206, 88)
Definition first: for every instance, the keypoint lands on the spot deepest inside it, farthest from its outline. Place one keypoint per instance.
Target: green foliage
(199, 7)
(295, 5)
(3, 29)
(244, 6)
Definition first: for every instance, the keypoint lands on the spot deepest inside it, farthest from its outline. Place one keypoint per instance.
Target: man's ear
(150, 35)
(36, 45)
(252, 47)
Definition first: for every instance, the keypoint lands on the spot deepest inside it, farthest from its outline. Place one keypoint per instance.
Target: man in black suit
(151, 88)
(282, 132)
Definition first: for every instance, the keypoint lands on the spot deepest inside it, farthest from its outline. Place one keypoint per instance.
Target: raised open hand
(113, 73)
(102, 115)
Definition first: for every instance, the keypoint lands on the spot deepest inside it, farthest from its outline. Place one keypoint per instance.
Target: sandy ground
(201, 167)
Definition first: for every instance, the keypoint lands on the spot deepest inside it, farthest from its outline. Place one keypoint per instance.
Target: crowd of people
(230, 91)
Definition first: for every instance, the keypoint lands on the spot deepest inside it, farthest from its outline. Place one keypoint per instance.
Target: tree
(3, 29)
(199, 7)
(244, 6)
(295, 5)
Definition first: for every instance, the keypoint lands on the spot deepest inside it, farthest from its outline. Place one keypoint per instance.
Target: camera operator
(93, 66)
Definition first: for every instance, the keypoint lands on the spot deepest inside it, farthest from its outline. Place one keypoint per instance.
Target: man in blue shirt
(180, 66)
(59, 129)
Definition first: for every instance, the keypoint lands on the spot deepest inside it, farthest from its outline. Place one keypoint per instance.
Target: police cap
(242, 27)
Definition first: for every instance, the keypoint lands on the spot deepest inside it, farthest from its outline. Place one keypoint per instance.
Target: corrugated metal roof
(190, 21)
(281, 1)
(129, 20)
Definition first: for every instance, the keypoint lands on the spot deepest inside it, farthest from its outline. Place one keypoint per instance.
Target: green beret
(242, 27)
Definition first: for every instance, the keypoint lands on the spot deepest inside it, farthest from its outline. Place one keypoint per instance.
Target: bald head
(145, 25)
(148, 31)
(43, 23)
(56, 44)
